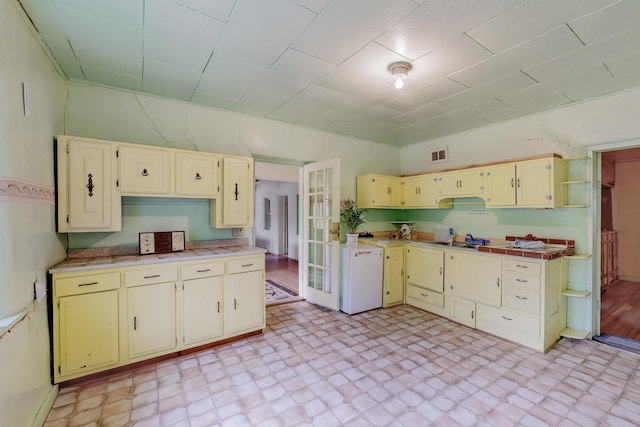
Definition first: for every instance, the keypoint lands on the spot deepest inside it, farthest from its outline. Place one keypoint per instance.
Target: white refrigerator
(361, 285)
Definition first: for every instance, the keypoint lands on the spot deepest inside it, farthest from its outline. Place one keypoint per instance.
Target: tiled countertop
(93, 263)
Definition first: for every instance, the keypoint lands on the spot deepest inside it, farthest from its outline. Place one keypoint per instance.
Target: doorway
(620, 243)
(276, 229)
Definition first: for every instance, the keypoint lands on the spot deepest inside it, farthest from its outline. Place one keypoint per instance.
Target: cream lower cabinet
(202, 302)
(112, 317)
(151, 313)
(424, 278)
(244, 308)
(393, 275)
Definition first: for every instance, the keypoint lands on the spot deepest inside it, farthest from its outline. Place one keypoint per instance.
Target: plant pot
(352, 239)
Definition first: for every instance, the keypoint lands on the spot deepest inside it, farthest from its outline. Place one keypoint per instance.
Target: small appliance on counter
(443, 233)
(160, 242)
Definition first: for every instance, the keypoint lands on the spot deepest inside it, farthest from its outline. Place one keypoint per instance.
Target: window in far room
(267, 214)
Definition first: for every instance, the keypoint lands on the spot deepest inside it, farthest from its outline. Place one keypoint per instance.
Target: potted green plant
(352, 217)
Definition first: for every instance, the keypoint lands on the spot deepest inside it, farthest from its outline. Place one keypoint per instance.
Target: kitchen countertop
(94, 263)
(549, 252)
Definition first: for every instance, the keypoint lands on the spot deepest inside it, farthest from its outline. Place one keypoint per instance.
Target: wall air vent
(440, 155)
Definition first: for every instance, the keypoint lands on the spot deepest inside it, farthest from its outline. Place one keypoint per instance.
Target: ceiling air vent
(440, 155)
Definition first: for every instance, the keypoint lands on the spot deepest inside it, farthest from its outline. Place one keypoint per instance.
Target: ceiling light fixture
(399, 71)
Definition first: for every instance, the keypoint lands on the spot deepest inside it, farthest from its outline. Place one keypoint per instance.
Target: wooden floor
(282, 270)
(620, 310)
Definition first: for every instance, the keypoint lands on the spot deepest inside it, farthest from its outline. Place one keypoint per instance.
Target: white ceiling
(323, 63)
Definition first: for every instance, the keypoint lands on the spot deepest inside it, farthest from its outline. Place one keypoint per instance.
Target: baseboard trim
(45, 407)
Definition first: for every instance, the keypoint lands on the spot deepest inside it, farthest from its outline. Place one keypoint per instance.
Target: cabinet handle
(198, 177)
(236, 192)
(218, 306)
(424, 295)
(235, 304)
(88, 284)
(507, 318)
(204, 271)
(472, 314)
(522, 280)
(522, 298)
(152, 276)
(247, 265)
(511, 182)
(460, 183)
(441, 271)
(521, 266)
(135, 323)
(402, 273)
(90, 184)
(518, 182)
(144, 172)
(498, 282)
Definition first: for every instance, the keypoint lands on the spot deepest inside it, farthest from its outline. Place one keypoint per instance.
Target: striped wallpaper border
(14, 190)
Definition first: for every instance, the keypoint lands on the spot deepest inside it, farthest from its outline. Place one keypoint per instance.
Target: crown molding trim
(13, 190)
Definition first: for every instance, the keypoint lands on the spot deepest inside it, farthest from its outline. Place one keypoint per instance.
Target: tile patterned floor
(397, 367)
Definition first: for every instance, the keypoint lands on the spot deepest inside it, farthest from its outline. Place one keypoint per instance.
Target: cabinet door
(461, 183)
(534, 183)
(88, 333)
(411, 192)
(463, 311)
(144, 170)
(87, 196)
(152, 319)
(201, 310)
(197, 175)
(393, 276)
(244, 302)
(425, 267)
(477, 277)
(420, 192)
(237, 204)
(500, 188)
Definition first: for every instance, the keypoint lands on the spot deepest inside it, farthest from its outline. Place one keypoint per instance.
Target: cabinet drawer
(150, 275)
(521, 300)
(506, 323)
(206, 269)
(245, 264)
(531, 283)
(522, 266)
(86, 284)
(423, 295)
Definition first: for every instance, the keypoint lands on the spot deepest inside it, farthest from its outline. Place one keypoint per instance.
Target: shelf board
(574, 333)
(576, 294)
(574, 206)
(578, 256)
(577, 181)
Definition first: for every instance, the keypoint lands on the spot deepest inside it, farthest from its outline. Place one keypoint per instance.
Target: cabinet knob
(144, 172)
(198, 177)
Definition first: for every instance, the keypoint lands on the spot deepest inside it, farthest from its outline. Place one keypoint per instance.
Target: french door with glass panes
(322, 218)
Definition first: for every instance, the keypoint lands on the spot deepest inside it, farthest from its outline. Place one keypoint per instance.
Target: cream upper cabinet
(461, 183)
(539, 183)
(144, 170)
(527, 184)
(235, 208)
(421, 192)
(500, 185)
(197, 174)
(86, 186)
(378, 191)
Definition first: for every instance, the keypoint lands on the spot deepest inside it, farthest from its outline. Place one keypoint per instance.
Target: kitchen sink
(457, 244)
